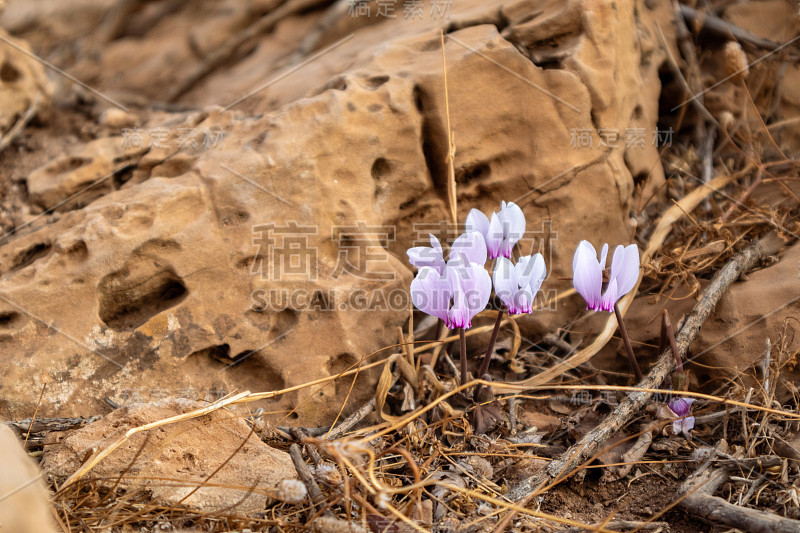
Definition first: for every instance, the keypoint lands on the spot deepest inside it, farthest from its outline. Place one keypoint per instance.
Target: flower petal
(588, 250)
(523, 300)
(538, 271)
(431, 293)
(421, 256)
(587, 275)
(610, 297)
(513, 220)
(507, 247)
(628, 270)
(624, 274)
(459, 313)
(688, 425)
(616, 261)
(603, 256)
(418, 256)
(494, 236)
(681, 406)
(482, 290)
(683, 425)
(530, 269)
(522, 270)
(513, 223)
(477, 221)
(468, 248)
(505, 281)
(436, 245)
(474, 284)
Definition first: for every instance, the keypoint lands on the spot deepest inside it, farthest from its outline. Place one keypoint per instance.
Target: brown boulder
(184, 279)
(733, 339)
(217, 452)
(23, 83)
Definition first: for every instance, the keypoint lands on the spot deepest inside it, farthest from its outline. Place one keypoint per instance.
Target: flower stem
(463, 336)
(488, 357)
(628, 348)
(492, 340)
(437, 350)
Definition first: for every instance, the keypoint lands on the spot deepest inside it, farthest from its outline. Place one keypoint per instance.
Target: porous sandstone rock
(23, 83)
(217, 454)
(180, 279)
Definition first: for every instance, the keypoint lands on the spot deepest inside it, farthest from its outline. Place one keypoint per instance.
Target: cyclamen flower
(681, 407)
(502, 231)
(587, 274)
(517, 285)
(456, 296)
(468, 248)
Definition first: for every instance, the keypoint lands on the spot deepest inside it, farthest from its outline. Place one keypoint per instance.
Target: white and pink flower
(517, 285)
(587, 274)
(469, 247)
(502, 231)
(455, 296)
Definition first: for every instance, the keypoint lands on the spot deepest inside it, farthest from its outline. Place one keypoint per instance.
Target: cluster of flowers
(458, 289)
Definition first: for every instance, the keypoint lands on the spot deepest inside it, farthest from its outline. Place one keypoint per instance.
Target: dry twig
(723, 28)
(697, 493)
(352, 420)
(619, 525)
(314, 492)
(20, 124)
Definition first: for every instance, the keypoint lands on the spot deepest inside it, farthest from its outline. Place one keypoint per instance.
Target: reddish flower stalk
(488, 357)
(492, 340)
(628, 348)
(463, 335)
